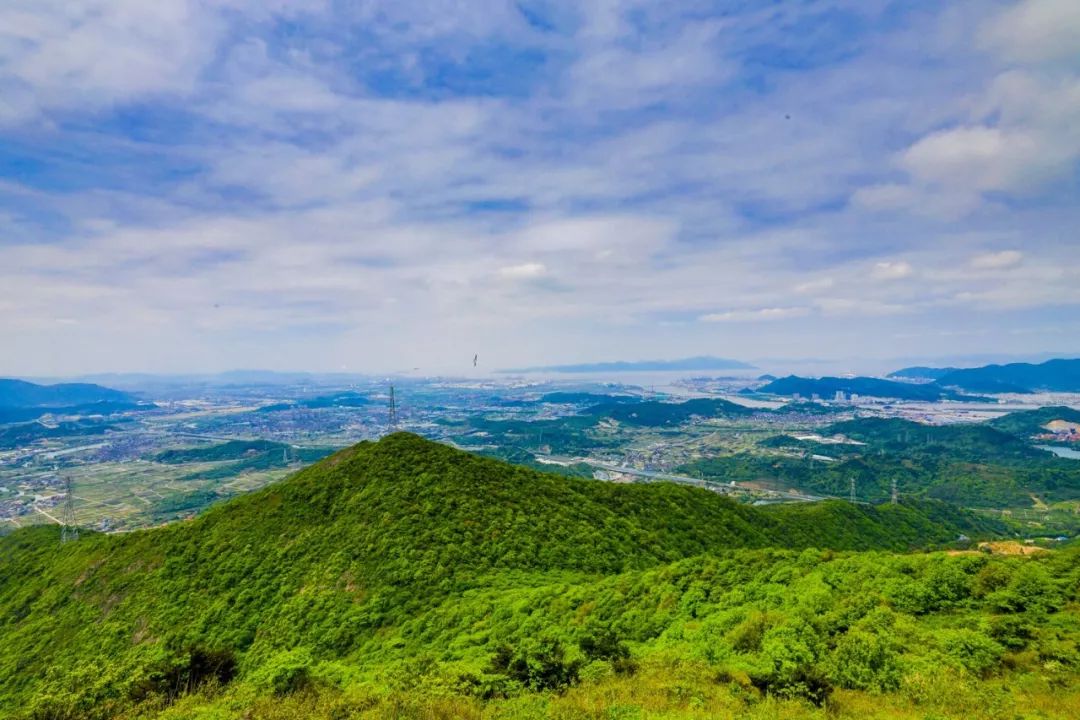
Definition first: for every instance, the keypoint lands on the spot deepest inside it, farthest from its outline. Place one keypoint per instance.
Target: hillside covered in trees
(986, 465)
(407, 579)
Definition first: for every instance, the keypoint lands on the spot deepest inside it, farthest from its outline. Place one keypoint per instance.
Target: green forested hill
(408, 579)
(986, 465)
(974, 442)
(1026, 423)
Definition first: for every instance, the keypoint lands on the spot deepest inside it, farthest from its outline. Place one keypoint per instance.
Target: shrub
(184, 671)
(790, 653)
(864, 661)
(605, 645)
(539, 665)
(285, 673)
(976, 652)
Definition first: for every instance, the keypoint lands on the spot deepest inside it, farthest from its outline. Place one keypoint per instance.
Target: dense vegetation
(409, 579)
(979, 465)
(972, 442)
(1026, 423)
(239, 456)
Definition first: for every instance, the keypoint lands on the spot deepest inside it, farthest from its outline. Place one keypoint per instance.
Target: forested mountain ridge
(392, 552)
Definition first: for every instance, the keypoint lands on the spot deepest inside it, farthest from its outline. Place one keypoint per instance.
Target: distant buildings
(1061, 431)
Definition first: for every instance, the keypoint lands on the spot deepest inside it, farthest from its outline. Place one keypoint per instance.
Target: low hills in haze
(827, 387)
(1059, 375)
(18, 393)
(934, 384)
(22, 401)
(695, 363)
(388, 553)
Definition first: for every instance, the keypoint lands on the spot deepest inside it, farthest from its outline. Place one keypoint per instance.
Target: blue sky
(189, 185)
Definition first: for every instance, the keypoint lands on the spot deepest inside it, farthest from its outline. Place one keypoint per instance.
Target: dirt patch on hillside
(1011, 547)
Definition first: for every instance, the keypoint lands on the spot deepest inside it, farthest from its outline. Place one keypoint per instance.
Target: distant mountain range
(704, 362)
(22, 401)
(827, 387)
(160, 382)
(1060, 375)
(21, 394)
(946, 383)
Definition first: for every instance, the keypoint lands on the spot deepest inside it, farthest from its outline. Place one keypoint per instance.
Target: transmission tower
(68, 529)
(895, 492)
(391, 420)
(853, 490)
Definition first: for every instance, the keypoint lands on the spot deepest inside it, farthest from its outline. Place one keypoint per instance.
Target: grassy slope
(389, 552)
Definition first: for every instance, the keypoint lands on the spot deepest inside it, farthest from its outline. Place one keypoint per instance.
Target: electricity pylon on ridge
(391, 420)
(69, 530)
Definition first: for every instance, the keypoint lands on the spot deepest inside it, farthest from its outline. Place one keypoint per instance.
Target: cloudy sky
(307, 184)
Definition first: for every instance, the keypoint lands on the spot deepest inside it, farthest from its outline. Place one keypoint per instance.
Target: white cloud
(891, 270)
(1016, 134)
(525, 271)
(812, 287)
(997, 260)
(611, 174)
(1037, 30)
(290, 175)
(887, 196)
(860, 307)
(91, 55)
(759, 315)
